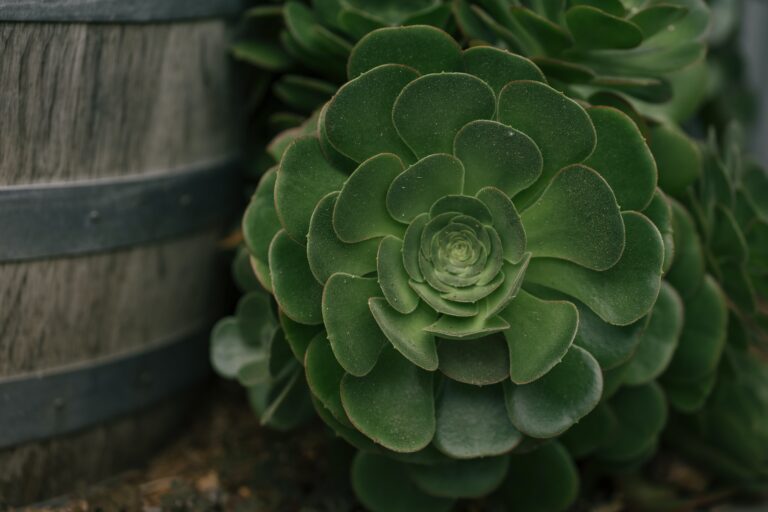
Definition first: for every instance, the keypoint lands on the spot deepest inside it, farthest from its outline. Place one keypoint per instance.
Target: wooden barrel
(118, 174)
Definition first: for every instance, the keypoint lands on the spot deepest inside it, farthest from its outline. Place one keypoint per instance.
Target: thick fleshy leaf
(361, 210)
(243, 274)
(564, 71)
(558, 125)
(687, 272)
(260, 222)
(229, 352)
(641, 412)
(550, 38)
(472, 422)
(355, 336)
(383, 485)
(657, 18)
(324, 376)
(479, 362)
(461, 478)
(659, 211)
(411, 243)
(358, 121)
(465, 205)
(406, 332)
(256, 318)
(593, 28)
(425, 49)
(540, 334)
(432, 109)
(393, 405)
(704, 333)
(327, 254)
(415, 190)
(467, 328)
(659, 340)
(677, 158)
(513, 280)
(303, 178)
(498, 67)
(622, 158)
(594, 430)
(296, 290)
(688, 395)
(442, 305)
(495, 155)
(552, 404)
(576, 219)
(544, 480)
(621, 295)
(393, 278)
(298, 336)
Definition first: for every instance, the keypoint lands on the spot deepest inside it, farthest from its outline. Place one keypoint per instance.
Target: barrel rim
(116, 11)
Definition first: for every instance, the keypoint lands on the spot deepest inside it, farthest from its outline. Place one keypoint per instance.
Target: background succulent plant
(626, 46)
(468, 243)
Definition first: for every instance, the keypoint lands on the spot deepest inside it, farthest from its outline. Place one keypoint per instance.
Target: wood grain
(80, 102)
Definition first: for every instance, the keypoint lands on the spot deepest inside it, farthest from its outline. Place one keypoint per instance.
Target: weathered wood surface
(86, 102)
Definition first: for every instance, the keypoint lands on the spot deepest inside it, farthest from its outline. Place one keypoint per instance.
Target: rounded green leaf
(688, 395)
(260, 222)
(229, 352)
(393, 278)
(468, 328)
(687, 272)
(425, 49)
(393, 405)
(479, 362)
(327, 254)
(552, 404)
(324, 376)
(641, 412)
(591, 432)
(256, 318)
(595, 29)
(559, 126)
(658, 342)
(382, 485)
(656, 18)
(622, 158)
(659, 211)
(540, 334)
(495, 155)
(298, 336)
(472, 422)
(432, 109)
(704, 333)
(677, 158)
(576, 219)
(358, 121)
(544, 480)
(355, 336)
(303, 178)
(498, 67)
(461, 478)
(296, 290)
(465, 205)
(415, 190)
(406, 332)
(624, 293)
(361, 210)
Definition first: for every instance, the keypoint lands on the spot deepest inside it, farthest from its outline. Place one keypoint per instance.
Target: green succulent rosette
(305, 45)
(471, 243)
(632, 47)
(250, 347)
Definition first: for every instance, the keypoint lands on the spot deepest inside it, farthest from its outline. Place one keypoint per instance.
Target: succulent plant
(463, 248)
(585, 46)
(308, 43)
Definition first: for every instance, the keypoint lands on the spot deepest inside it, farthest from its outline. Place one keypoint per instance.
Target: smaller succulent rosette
(625, 46)
(468, 242)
